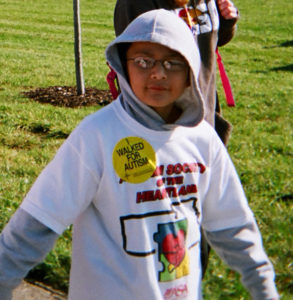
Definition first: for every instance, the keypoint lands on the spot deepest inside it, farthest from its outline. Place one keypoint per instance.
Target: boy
(137, 179)
(213, 24)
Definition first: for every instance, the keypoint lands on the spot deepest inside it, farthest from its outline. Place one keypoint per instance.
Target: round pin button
(134, 159)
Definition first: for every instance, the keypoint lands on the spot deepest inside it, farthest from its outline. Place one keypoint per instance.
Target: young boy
(137, 179)
(213, 24)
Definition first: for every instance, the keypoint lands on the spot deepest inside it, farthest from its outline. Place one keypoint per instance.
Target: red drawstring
(225, 81)
(111, 77)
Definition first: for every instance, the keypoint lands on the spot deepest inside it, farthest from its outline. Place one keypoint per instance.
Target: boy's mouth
(157, 88)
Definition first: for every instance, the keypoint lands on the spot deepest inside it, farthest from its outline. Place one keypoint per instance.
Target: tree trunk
(77, 49)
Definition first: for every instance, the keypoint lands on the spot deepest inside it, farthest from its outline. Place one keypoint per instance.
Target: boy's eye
(144, 62)
(174, 65)
(168, 64)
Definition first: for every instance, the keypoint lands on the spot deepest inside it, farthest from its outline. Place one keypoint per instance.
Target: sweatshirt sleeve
(241, 248)
(24, 243)
(227, 30)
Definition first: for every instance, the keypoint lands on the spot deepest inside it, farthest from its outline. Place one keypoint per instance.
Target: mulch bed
(66, 96)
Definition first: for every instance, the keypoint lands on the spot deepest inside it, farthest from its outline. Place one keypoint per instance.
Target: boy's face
(157, 75)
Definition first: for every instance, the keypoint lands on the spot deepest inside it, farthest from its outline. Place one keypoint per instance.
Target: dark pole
(77, 49)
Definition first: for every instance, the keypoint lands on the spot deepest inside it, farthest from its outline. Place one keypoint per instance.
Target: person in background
(138, 179)
(213, 24)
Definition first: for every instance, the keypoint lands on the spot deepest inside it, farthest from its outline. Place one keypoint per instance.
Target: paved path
(27, 291)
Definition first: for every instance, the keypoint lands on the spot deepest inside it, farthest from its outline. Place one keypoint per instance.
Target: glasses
(172, 65)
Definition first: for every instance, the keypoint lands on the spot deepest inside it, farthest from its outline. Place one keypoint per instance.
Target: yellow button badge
(134, 159)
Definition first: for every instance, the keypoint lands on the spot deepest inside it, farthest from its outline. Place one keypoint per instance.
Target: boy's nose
(158, 71)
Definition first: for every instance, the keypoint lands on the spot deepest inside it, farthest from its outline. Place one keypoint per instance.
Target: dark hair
(122, 49)
(175, 4)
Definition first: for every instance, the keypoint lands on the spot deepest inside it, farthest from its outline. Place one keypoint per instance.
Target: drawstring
(225, 81)
(111, 78)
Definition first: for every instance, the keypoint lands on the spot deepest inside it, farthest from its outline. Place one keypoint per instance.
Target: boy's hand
(227, 9)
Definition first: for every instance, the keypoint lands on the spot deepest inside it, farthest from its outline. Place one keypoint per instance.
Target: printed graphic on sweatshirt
(202, 19)
(177, 292)
(181, 202)
(134, 159)
(170, 230)
(139, 242)
(170, 182)
(173, 253)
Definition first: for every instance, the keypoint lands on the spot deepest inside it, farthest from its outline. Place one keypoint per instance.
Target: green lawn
(36, 50)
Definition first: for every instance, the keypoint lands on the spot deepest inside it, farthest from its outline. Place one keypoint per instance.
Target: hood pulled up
(165, 28)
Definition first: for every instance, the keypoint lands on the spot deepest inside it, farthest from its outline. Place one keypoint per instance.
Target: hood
(165, 28)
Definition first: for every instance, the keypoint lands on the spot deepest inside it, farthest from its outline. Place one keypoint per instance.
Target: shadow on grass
(284, 44)
(287, 68)
(287, 44)
(45, 130)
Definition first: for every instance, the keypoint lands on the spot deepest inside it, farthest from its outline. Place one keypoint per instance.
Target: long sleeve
(227, 29)
(24, 243)
(241, 248)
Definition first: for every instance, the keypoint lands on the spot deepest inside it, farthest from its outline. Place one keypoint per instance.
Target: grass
(36, 41)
